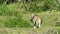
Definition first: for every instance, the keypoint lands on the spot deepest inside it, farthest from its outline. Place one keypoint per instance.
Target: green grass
(45, 30)
(13, 22)
(12, 16)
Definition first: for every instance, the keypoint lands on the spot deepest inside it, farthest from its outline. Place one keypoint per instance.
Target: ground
(49, 21)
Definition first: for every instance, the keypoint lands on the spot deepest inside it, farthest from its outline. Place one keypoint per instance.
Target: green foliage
(8, 9)
(14, 13)
(15, 22)
(1, 2)
(10, 22)
(42, 5)
(23, 24)
(34, 7)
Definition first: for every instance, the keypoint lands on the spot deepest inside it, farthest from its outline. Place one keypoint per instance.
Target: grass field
(14, 21)
(8, 24)
(46, 30)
